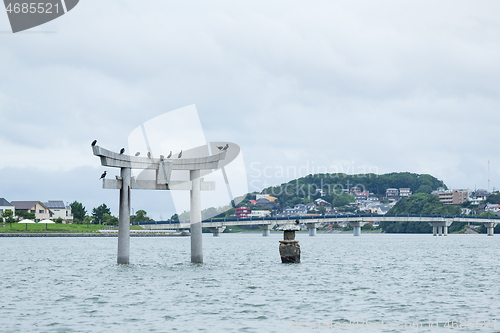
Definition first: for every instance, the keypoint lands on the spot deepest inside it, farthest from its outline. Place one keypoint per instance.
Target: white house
(259, 213)
(321, 202)
(5, 205)
(41, 211)
(59, 209)
(404, 192)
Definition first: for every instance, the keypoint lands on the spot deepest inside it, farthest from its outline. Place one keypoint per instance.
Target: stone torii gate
(163, 169)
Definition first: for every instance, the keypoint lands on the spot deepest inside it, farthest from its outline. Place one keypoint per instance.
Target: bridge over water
(439, 223)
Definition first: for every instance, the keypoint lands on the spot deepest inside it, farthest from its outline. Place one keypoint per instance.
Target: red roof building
(242, 211)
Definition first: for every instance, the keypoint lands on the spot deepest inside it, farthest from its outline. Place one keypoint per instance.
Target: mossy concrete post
(289, 247)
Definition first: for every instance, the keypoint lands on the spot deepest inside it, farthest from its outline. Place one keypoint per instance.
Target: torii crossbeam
(163, 169)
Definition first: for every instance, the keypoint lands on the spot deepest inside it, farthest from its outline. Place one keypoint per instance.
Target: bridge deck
(326, 219)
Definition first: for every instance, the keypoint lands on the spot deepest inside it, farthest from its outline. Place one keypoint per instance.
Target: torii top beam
(112, 159)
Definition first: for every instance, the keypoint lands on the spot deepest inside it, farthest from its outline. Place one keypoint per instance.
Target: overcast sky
(344, 85)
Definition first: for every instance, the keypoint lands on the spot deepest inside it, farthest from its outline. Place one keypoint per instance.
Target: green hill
(307, 189)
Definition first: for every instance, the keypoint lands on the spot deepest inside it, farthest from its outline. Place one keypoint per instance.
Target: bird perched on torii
(103, 175)
(223, 148)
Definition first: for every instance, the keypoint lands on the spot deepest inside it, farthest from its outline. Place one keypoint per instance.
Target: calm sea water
(74, 284)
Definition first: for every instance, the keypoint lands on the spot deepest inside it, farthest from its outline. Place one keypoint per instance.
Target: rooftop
(24, 205)
(4, 203)
(55, 204)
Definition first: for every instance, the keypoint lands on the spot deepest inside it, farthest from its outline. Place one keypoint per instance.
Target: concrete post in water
(124, 218)
(195, 216)
(216, 231)
(266, 229)
(434, 230)
(289, 247)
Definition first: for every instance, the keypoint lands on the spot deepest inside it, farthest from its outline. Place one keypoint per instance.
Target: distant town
(364, 202)
(353, 200)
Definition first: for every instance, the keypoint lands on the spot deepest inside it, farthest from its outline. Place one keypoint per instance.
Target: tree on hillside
(174, 217)
(141, 216)
(494, 199)
(367, 226)
(78, 211)
(487, 214)
(230, 212)
(209, 213)
(98, 213)
(109, 219)
(424, 189)
(342, 200)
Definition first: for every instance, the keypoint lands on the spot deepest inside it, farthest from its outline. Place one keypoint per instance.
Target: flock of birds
(122, 151)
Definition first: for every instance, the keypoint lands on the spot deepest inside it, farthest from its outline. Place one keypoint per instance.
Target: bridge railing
(320, 217)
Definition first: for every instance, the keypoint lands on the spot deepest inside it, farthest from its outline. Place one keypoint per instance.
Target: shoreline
(90, 235)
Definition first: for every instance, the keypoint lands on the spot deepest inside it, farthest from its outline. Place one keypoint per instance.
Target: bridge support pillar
(356, 226)
(440, 227)
(490, 227)
(312, 228)
(124, 218)
(216, 231)
(195, 216)
(266, 229)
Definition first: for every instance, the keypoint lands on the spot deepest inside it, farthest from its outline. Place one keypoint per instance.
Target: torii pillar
(124, 218)
(163, 169)
(195, 214)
